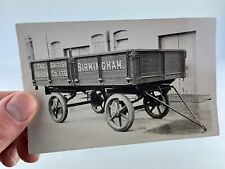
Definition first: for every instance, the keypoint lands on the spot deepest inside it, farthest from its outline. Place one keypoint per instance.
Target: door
(186, 41)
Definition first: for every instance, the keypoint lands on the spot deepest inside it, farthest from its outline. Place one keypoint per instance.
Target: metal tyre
(98, 99)
(154, 108)
(119, 112)
(58, 108)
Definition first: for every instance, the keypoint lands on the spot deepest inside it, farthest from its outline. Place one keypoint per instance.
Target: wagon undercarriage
(118, 108)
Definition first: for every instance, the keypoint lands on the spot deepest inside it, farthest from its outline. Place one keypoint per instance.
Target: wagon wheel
(154, 108)
(119, 112)
(58, 107)
(98, 99)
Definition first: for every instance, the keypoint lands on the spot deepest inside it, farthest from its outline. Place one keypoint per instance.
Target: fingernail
(13, 155)
(20, 107)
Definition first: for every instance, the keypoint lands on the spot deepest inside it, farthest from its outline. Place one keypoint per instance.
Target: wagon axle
(119, 110)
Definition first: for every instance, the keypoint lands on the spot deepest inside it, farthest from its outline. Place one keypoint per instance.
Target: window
(76, 51)
(80, 50)
(56, 50)
(98, 43)
(120, 39)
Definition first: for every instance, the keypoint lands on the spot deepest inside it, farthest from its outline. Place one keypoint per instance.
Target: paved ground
(84, 128)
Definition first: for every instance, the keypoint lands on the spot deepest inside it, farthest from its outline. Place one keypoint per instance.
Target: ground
(85, 129)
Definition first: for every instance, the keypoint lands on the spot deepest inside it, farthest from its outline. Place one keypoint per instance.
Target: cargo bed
(121, 68)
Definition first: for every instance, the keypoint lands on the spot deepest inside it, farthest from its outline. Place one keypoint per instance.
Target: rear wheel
(154, 108)
(58, 108)
(98, 99)
(119, 112)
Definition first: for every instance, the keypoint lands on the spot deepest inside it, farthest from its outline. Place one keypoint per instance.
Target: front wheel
(119, 112)
(58, 108)
(153, 107)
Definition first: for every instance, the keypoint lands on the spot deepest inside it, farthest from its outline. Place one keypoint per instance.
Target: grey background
(202, 152)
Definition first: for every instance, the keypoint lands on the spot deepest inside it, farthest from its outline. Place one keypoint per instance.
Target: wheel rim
(119, 113)
(58, 108)
(155, 108)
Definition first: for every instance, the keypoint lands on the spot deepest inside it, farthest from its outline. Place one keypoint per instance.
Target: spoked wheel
(154, 108)
(58, 107)
(98, 99)
(119, 112)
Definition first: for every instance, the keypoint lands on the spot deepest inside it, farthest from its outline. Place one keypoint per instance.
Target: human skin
(17, 110)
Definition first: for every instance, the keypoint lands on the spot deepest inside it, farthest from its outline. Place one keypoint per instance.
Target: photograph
(118, 82)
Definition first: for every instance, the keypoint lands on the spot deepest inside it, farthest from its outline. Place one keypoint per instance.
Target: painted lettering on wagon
(40, 66)
(105, 66)
(58, 69)
(41, 74)
(59, 73)
(58, 64)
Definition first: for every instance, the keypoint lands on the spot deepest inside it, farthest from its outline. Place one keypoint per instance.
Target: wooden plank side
(150, 64)
(40, 75)
(59, 72)
(87, 69)
(174, 64)
(114, 69)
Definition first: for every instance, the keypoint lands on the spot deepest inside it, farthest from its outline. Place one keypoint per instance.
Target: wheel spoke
(57, 102)
(152, 108)
(56, 114)
(122, 110)
(117, 104)
(59, 110)
(124, 116)
(120, 121)
(113, 118)
(159, 110)
(110, 106)
(52, 107)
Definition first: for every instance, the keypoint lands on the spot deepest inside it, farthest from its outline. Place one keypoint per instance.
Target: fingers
(4, 94)
(22, 149)
(16, 112)
(9, 157)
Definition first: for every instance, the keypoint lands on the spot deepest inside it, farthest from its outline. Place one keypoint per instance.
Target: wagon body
(121, 68)
(108, 78)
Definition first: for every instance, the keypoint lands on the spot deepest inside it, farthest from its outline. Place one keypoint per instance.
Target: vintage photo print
(105, 83)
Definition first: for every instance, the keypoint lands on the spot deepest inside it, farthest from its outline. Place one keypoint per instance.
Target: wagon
(108, 78)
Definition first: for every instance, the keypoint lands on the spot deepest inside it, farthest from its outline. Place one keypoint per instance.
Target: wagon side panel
(86, 71)
(40, 74)
(150, 66)
(59, 72)
(174, 64)
(115, 69)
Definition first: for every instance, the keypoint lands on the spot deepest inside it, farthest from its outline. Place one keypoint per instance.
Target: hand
(16, 111)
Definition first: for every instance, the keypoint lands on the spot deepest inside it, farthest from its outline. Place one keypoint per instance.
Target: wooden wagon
(108, 78)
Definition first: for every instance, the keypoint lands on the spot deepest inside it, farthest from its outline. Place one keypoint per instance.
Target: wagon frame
(146, 73)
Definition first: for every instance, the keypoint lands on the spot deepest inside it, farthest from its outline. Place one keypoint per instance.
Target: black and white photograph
(119, 82)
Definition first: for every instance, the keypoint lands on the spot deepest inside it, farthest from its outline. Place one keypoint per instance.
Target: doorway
(186, 41)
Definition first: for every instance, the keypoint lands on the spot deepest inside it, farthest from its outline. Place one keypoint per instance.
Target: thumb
(16, 112)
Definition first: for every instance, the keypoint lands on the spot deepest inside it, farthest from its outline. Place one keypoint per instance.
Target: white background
(204, 153)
